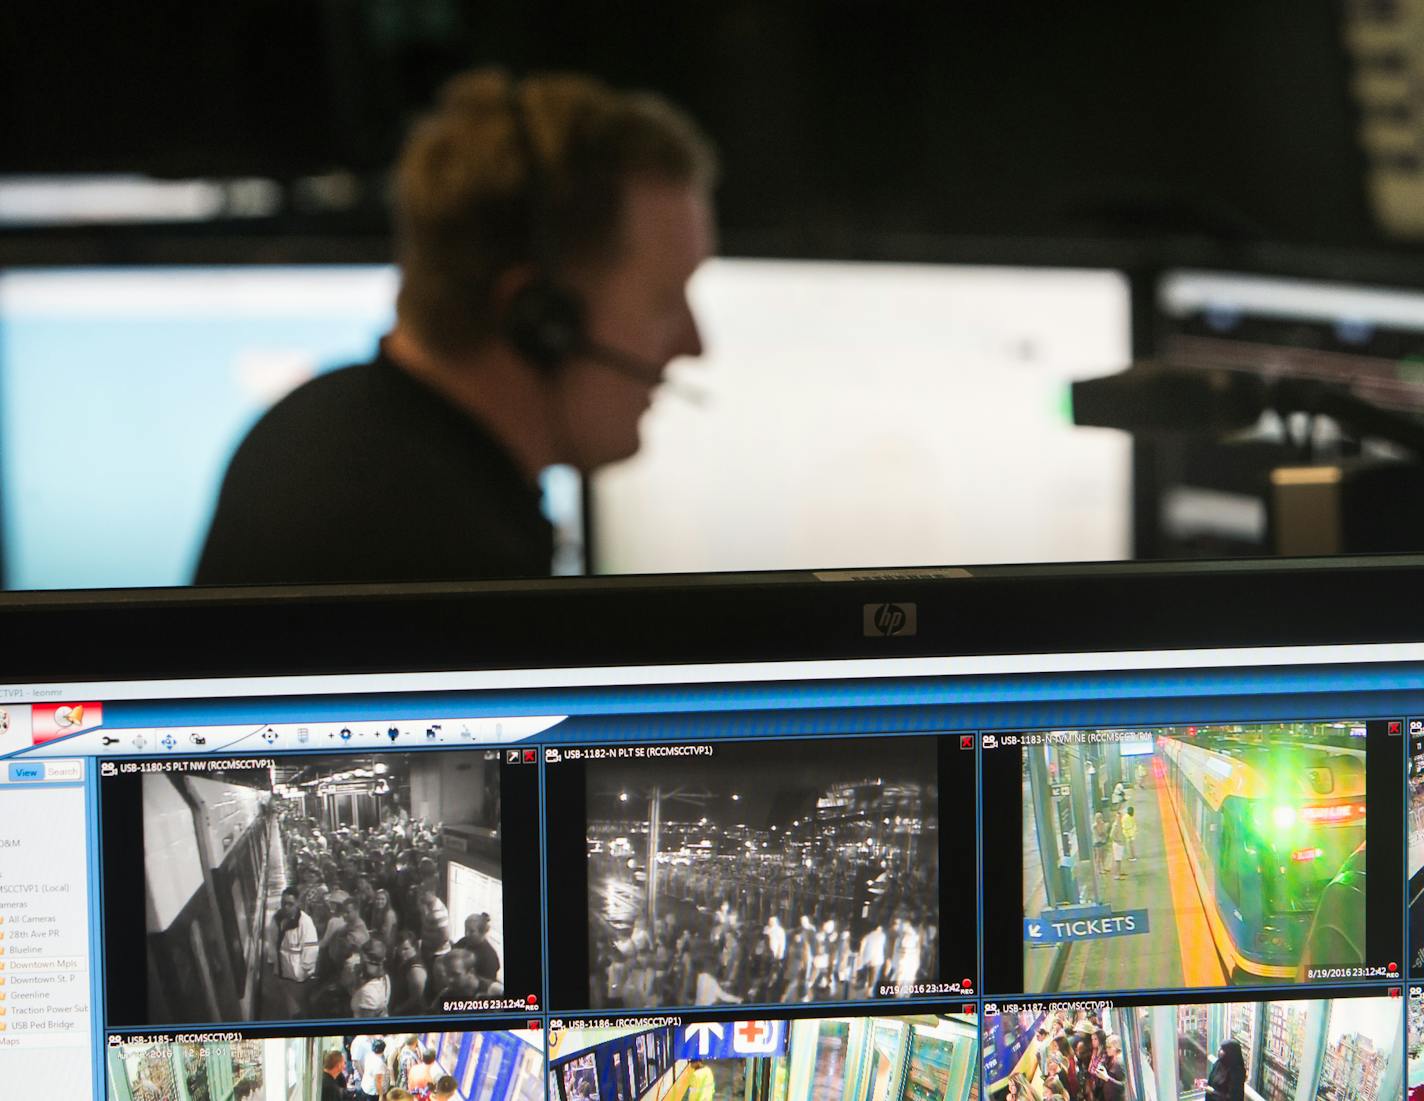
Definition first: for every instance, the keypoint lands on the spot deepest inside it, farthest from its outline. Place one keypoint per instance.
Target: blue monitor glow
(124, 392)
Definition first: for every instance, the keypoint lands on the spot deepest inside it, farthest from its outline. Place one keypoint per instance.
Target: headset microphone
(640, 370)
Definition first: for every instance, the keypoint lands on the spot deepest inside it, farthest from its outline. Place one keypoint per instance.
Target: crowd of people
(368, 1068)
(363, 931)
(694, 955)
(1073, 1057)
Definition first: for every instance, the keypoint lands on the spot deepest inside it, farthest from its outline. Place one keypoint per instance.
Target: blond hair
(465, 210)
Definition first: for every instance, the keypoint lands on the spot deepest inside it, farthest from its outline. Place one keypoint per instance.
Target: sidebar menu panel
(45, 1017)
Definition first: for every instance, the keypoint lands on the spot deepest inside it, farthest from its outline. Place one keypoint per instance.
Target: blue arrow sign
(730, 1039)
(1052, 927)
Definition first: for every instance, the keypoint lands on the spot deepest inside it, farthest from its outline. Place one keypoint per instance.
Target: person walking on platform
(702, 1086)
(333, 1076)
(1227, 1080)
(291, 952)
(1129, 832)
(1119, 844)
(374, 1072)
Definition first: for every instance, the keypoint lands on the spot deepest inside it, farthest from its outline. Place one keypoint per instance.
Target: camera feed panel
(323, 887)
(1282, 1047)
(494, 1064)
(760, 872)
(931, 1055)
(1189, 856)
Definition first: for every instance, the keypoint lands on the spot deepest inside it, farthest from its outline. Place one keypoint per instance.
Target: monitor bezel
(672, 619)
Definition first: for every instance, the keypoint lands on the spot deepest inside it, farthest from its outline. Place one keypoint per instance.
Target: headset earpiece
(544, 320)
(545, 323)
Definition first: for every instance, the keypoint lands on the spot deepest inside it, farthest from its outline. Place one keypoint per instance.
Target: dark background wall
(836, 118)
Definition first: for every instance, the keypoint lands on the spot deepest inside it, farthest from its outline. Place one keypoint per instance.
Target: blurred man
(333, 1076)
(546, 231)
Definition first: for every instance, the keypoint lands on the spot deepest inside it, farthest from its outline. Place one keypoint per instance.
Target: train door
(765, 1080)
(492, 1073)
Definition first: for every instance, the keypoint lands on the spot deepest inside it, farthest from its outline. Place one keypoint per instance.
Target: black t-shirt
(486, 958)
(367, 474)
(331, 1089)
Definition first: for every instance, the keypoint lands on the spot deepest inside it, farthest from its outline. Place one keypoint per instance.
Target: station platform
(1176, 951)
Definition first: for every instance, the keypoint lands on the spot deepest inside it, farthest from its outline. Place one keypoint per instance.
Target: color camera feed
(1193, 856)
(1338, 1049)
(320, 887)
(429, 1066)
(926, 1057)
(766, 872)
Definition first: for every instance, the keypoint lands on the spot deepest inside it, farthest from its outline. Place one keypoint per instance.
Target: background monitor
(857, 414)
(1202, 497)
(872, 414)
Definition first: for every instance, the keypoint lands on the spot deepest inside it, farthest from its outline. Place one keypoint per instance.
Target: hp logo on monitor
(886, 620)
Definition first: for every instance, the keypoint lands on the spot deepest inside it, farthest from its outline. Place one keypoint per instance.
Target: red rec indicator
(1394, 967)
(532, 999)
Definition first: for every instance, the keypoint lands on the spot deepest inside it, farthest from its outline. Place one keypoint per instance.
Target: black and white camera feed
(323, 887)
(766, 872)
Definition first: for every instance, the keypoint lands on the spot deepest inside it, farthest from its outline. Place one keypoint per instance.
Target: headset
(546, 320)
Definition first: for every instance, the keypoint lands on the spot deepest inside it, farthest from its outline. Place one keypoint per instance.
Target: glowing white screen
(876, 415)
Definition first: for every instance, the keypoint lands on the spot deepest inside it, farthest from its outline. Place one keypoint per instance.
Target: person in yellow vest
(1129, 832)
(702, 1085)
